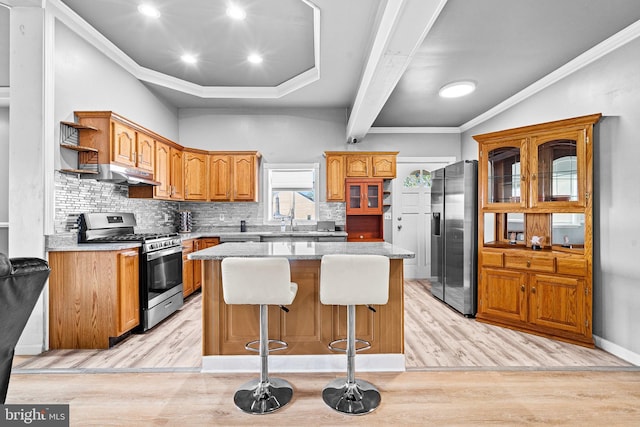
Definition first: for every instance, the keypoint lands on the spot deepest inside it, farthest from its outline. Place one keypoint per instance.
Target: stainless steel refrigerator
(454, 235)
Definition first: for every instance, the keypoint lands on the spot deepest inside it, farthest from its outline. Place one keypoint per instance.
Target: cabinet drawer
(492, 259)
(574, 267)
(530, 263)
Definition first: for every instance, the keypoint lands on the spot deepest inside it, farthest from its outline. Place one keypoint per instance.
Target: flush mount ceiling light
(148, 10)
(235, 12)
(254, 58)
(189, 58)
(457, 89)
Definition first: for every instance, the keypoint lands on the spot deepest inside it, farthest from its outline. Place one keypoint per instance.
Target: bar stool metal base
(356, 398)
(256, 397)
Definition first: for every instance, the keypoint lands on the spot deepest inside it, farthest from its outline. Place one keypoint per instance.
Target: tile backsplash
(74, 196)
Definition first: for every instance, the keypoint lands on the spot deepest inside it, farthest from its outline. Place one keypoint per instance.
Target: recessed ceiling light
(189, 58)
(254, 58)
(236, 12)
(149, 10)
(457, 89)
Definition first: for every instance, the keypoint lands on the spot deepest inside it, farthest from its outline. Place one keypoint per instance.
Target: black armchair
(21, 282)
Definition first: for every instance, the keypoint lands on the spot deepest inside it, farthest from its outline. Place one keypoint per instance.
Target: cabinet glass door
(557, 165)
(505, 172)
(373, 196)
(355, 196)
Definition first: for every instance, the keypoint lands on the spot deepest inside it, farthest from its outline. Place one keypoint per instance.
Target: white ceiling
(382, 60)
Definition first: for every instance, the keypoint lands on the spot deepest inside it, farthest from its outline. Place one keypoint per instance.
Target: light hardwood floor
(437, 398)
(436, 337)
(460, 372)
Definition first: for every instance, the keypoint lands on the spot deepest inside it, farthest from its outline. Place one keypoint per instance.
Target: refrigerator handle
(436, 224)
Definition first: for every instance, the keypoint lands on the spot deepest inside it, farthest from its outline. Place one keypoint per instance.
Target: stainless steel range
(160, 262)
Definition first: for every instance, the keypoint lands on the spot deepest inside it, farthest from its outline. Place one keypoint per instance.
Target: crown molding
(415, 129)
(609, 45)
(65, 15)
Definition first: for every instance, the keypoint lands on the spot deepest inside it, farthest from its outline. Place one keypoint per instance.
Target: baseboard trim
(617, 350)
(28, 350)
(304, 363)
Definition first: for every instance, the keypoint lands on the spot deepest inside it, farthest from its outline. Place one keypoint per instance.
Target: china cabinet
(535, 243)
(364, 220)
(359, 164)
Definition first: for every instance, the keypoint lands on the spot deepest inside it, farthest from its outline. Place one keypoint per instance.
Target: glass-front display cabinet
(535, 222)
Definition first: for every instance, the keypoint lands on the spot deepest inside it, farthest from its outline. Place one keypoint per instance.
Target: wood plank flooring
(436, 337)
(438, 398)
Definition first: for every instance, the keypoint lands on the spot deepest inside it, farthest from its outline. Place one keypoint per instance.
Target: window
(291, 192)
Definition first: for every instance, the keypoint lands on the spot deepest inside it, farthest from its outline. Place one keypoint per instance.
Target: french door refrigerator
(454, 235)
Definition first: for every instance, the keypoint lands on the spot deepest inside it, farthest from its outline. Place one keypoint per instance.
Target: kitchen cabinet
(364, 219)
(335, 177)
(116, 140)
(309, 326)
(93, 298)
(535, 220)
(233, 176)
(363, 164)
(192, 269)
(195, 175)
(364, 196)
(168, 172)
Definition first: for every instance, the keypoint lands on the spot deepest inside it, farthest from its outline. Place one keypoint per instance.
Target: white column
(27, 153)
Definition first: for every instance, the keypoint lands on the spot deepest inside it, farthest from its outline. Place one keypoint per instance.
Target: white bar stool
(350, 280)
(262, 281)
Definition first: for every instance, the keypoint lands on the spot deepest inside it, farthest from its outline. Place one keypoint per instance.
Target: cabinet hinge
(481, 154)
(587, 195)
(586, 324)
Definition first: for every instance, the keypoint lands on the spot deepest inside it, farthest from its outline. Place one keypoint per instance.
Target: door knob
(399, 227)
(399, 218)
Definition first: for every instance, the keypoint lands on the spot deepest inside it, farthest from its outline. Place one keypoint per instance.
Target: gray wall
(85, 79)
(4, 46)
(611, 86)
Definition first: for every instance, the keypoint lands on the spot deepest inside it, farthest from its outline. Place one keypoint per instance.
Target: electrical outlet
(166, 217)
(387, 215)
(221, 217)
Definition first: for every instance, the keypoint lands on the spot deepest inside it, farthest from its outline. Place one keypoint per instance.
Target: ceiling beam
(403, 27)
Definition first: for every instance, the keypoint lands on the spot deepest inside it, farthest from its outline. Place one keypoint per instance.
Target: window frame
(267, 168)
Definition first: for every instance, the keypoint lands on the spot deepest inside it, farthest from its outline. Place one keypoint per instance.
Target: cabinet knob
(522, 288)
(361, 236)
(400, 227)
(533, 290)
(528, 263)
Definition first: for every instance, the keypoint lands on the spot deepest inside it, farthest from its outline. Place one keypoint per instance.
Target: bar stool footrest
(366, 345)
(255, 345)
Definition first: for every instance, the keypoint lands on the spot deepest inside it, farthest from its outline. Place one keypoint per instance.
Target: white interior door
(411, 210)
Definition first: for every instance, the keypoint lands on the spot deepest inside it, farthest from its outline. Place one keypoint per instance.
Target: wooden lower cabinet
(93, 298)
(549, 304)
(309, 326)
(192, 269)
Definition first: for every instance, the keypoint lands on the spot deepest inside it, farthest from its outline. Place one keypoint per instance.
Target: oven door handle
(159, 254)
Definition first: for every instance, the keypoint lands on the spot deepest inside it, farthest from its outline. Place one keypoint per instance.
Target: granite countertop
(300, 250)
(79, 247)
(226, 233)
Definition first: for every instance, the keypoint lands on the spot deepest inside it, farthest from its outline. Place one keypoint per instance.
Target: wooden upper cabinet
(335, 177)
(220, 177)
(384, 165)
(244, 177)
(145, 158)
(361, 164)
(195, 176)
(233, 176)
(358, 166)
(123, 145)
(163, 171)
(177, 175)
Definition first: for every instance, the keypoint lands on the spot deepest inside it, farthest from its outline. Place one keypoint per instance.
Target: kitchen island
(309, 326)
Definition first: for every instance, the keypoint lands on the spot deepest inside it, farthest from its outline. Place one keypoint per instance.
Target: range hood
(117, 174)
